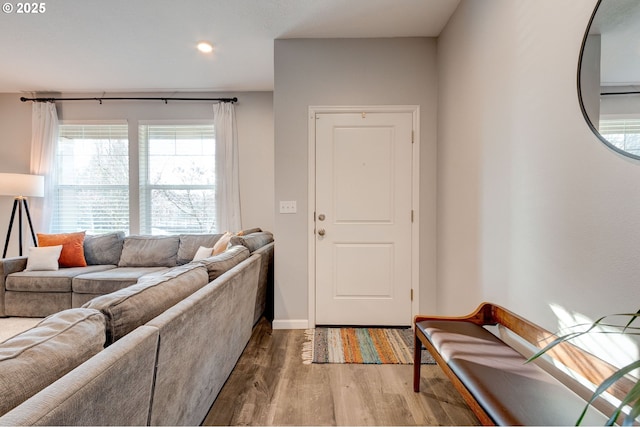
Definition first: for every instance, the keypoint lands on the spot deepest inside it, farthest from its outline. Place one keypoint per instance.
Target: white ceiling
(149, 45)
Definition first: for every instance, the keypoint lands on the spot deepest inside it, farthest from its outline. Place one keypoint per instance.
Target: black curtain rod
(620, 93)
(100, 99)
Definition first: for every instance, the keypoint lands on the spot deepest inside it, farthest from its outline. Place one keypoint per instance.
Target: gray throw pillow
(189, 244)
(253, 241)
(103, 249)
(218, 264)
(149, 251)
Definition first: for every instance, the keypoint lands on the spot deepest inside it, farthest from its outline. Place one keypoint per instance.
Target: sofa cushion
(48, 281)
(149, 251)
(72, 254)
(249, 231)
(189, 244)
(218, 264)
(103, 248)
(114, 387)
(36, 304)
(104, 282)
(253, 241)
(135, 305)
(39, 356)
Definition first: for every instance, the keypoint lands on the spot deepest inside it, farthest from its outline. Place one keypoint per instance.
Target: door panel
(363, 226)
(363, 270)
(363, 174)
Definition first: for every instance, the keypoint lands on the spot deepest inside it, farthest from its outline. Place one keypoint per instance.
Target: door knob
(321, 232)
(321, 217)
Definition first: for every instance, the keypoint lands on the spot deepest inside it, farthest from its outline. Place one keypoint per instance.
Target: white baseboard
(290, 324)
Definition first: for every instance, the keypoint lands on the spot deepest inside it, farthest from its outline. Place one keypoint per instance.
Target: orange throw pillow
(72, 254)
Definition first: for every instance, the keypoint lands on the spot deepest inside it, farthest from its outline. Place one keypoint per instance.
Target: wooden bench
(493, 378)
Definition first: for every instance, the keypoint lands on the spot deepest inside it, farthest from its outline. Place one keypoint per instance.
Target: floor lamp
(20, 186)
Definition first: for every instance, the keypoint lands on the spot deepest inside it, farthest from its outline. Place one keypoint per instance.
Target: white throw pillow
(202, 253)
(43, 258)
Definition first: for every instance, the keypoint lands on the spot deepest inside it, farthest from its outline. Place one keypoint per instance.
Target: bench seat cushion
(49, 281)
(104, 282)
(510, 391)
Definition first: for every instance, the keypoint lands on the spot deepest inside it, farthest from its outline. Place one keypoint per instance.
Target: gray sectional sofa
(156, 352)
(113, 262)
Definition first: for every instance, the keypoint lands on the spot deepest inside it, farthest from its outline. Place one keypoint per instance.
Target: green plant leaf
(553, 343)
(632, 399)
(634, 317)
(627, 329)
(633, 413)
(631, 396)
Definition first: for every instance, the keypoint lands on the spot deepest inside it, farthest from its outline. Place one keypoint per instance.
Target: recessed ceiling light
(205, 47)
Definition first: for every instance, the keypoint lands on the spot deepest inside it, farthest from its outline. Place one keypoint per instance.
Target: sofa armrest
(8, 266)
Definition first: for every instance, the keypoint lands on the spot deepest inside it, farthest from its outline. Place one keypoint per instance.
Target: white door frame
(415, 195)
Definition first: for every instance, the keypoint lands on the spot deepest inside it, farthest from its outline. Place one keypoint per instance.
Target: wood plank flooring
(271, 386)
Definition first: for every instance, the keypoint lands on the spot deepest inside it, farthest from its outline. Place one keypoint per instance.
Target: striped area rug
(361, 345)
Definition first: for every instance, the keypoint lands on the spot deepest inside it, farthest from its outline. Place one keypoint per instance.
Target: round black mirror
(609, 75)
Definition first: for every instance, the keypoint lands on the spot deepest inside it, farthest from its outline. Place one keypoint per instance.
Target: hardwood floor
(271, 386)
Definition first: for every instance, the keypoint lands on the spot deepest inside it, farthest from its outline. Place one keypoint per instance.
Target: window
(174, 170)
(92, 178)
(177, 178)
(622, 133)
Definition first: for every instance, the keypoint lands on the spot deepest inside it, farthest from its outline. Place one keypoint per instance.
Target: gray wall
(15, 146)
(620, 106)
(590, 79)
(254, 113)
(534, 212)
(313, 72)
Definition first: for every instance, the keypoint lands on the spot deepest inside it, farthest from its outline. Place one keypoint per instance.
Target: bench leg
(417, 361)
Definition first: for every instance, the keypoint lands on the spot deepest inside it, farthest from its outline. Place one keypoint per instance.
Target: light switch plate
(288, 207)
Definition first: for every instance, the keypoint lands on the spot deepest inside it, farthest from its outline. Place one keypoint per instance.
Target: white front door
(363, 218)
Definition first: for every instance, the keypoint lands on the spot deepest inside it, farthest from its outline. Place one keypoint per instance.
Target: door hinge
(411, 215)
(412, 141)
(411, 294)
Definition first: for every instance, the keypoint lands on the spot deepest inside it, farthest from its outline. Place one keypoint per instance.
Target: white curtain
(44, 140)
(227, 174)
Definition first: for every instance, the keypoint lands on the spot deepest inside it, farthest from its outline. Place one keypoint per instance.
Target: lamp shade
(19, 184)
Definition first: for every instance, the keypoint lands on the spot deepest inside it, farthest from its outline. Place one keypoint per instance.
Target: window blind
(92, 178)
(177, 178)
(623, 133)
